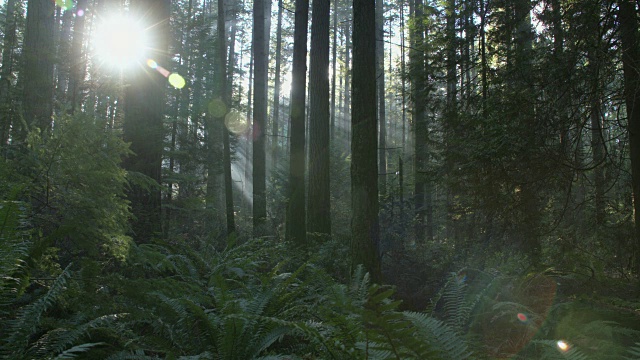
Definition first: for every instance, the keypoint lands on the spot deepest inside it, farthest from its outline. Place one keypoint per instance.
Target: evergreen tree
(260, 62)
(296, 228)
(631, 60)
(37, 70)
(9, 45)
(365, 237)
(143, 124)
(319, 207)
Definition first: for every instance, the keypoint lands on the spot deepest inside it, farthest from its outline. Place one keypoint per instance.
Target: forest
(295, 179)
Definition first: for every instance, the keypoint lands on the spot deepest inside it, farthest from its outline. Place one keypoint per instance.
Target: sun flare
(120, 42)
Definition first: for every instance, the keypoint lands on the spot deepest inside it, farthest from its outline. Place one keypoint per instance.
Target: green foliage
(444, 339)
(634, 352)
(72, 180)
(28, 319)
(15, 241)
(364, 322)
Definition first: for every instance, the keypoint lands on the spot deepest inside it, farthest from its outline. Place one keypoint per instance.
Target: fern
(28, 320)
(203, 356)
(634, 352)
(457, 302)
(442, 338)
(131, 355)
(74, 351)
(57, 341)
(247, 317)
(14, 248)
(455, 307)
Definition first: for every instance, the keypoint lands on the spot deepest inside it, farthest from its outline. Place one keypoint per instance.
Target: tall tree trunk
(365, 237)
(452, 134)
(188, 118)
(403, 77)
(143, 125)
(248, 147)
(595, 115)
(225, 95)
(296, 229)
(382, 121)
(631, 66)
(62, 67)
(276, 90)
(319, 209)
(597, 148)
(523, 92)
(483, 55)
(272, 139)
(419, 120)
(6, 73)
(469, 30)
(334, 63)
(347, 80)
(38, 58)
(260, 60)
(231, 61)
(78, 64)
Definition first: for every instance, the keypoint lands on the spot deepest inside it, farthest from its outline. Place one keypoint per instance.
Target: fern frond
(131, 355)
(634, 352)
(375, 351)
(440, 336)
(57, 341)
(203, 356)
(14, 249)
(360, 284)
(28, 320)
(74, 351)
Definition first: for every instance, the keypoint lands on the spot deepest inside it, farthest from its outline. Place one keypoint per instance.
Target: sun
(120, 41)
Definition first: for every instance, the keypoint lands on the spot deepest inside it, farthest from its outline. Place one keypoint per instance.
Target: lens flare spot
(80, 12)
(177, 81)
(563, 346)
(236, 122)
(217, 108)
(65, 4)
(152, 64)
(522, 317)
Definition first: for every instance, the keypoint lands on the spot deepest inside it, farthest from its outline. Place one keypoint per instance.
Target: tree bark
(6, 73)
(631, 64)
(319, 209)
(417, 69)
(38, 59)
(522, 70)
(452, 134)
(144, 100)
(296, 229)
(78, 63)
(276, 91)
(334, 62)
(347, 80)
(364, 168)
(260, 62)
(225, 95)
(382, 142)
(404, 76)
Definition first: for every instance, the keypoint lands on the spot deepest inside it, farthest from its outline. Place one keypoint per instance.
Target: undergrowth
(259, 300)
